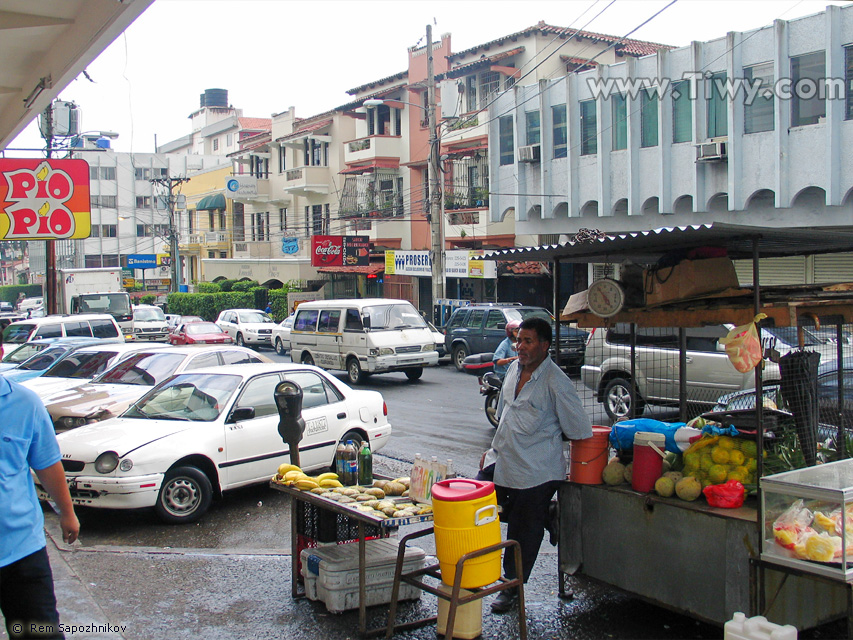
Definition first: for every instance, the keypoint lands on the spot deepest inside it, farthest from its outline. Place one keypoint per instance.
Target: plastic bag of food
(729, 495)
(743, 345)
(792, 525)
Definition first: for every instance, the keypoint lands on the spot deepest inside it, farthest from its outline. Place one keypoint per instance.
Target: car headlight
(106, 462)
(126, 464)
(137, 330)
(428, 347)
(71, 422)
(386, 351)
(373, 352)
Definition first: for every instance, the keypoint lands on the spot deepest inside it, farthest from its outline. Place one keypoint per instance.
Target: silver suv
(710, 374)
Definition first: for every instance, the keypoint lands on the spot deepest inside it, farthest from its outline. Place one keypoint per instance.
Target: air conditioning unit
(716, 151)
(530, 153)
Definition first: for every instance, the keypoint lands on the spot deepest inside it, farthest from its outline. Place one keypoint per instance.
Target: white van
(149, 323)
(364, 336)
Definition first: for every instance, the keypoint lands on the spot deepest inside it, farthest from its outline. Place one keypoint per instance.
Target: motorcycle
(481, 365)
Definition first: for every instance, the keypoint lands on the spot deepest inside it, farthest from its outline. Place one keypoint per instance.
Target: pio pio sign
(44, 199)
(340, 251)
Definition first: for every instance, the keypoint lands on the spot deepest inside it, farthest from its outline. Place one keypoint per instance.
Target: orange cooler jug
(465, 515)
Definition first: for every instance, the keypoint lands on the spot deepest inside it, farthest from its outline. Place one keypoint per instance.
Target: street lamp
(435, 217)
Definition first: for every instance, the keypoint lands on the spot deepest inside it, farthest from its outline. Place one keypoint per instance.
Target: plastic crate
(330, 574)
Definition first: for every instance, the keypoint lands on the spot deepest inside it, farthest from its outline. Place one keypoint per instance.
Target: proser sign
(44, 199)
(340, 251)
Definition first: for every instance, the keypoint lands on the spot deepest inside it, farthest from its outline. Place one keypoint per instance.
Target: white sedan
(110, 393)
(203, 432)
(281, 335)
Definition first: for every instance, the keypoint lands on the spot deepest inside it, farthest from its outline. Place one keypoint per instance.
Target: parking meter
(291, 426)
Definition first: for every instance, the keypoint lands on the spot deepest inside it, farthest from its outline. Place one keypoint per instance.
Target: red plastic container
(648, 460)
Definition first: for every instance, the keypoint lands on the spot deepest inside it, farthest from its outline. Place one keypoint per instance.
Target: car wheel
(279, 347)
(184, 497)
(240, 342)
(354, 373)
(460, 352)
(414, 373)
(307, 359)
(617, 399)
(492, 409)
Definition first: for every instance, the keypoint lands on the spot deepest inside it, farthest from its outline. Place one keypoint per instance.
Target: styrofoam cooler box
(331, 573)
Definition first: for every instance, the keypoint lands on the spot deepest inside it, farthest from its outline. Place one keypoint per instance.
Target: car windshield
(43, 359)
(81, 365)
(149, 315)
(254, 316)
(18, 332)
(393, 316)
(523, 314)
(196, 328)
(112, 303)
(24, 352)
(143, 369)
(196, 397)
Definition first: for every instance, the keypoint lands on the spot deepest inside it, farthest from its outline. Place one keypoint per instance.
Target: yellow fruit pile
(718, 459)
(292, 476)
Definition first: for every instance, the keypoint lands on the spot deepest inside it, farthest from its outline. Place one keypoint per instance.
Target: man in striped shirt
(538, 406)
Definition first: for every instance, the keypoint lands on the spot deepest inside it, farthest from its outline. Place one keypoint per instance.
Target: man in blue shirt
(538, 406)
(505, 353)
(27, 439)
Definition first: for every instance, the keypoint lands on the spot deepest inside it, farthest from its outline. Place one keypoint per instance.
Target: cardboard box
(688, 279)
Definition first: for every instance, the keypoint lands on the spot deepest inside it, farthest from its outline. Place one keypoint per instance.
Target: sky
(274, 54)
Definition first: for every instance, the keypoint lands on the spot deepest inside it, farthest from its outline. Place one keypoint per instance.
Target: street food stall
(699, 560)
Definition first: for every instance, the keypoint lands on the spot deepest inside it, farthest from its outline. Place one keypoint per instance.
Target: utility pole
(51, 288)
(435, 218)
(174, 258)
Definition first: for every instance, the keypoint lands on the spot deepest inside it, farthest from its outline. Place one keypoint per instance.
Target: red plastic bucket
(648, 460)
(589, 457)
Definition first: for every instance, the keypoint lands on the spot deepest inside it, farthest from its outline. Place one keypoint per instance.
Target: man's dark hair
(541, 326)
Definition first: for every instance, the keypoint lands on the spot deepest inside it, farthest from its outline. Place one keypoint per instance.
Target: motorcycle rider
(505, 353)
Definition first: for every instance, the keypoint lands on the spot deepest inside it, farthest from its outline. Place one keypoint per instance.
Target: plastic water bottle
(340, 461)
(451, 473)
(365, 465)
(350, 464)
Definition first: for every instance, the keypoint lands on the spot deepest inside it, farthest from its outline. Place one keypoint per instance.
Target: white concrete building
(706, 143)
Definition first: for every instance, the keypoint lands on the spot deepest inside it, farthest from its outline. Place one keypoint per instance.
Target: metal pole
(435, 220)
(51, 288)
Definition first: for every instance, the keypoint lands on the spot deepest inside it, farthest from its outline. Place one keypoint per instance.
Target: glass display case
(807, 517)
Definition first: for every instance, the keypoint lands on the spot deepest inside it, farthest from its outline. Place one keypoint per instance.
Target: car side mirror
(366, 322)
(241, 413)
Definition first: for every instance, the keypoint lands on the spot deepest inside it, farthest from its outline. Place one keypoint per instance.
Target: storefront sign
(289, 245)
(407, 263)
(44, 199)
(339, 251)
(457, 264)
(141, 261)
(239, 186)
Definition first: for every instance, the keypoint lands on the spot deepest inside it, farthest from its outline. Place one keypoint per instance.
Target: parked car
(6, 306)
(199, 333)
(14, 355)
(247, 326)
(113, 391)
(827, 397)
(438, 336)
(203, 432)
(710, 374)
(480, 328)
(38, 364)
(87, 325)
(27, 304)
(281, 335)
(149, 323)
(81, 366)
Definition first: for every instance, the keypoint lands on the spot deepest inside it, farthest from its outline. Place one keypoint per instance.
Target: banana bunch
(292, 476)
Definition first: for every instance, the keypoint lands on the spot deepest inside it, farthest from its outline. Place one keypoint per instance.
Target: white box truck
(96, 290)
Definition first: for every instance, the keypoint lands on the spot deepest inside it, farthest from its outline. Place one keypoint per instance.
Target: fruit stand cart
(687, 556)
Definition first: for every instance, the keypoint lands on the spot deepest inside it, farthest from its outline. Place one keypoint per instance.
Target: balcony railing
(456, 197)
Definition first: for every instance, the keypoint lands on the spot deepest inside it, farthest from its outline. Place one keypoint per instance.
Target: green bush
(244, 285)
(208, 305)
(208, 287)
(11, 292)
(148, 298)
(225, 285)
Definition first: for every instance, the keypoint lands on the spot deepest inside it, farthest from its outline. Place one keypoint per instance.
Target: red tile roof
(260, 124)
(369, 270)
(466, 68)
(379, 163)
(524, 268)
(314, 126)
(401, 75)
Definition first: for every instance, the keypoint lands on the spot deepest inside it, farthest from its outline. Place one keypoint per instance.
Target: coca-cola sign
(339, 251)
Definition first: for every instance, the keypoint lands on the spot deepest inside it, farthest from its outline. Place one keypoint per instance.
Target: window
(315, 391)
(141, 173)
(317, 220)
(490, 84)
(260, 395)
(532, 129)
(718, 124)
(471, 92)
(104, 329)
(494, 319)
(140, 231)
(353, 321)
(110, 260)
(808, 74)
(237, 357)
(457, 319)
(216, 144)
(848, 77)
(619, 114)
(78, 330)
(211, 220)
(506, 144)
(561, 139)
(589, 128)
(95, 232)
(282, 219)
(329, 321)
(104, 202)
(91, 260)
(162, 172)
(102, 173)
(143, 202)
(203, 360)
(648, 119)
(108, 231)
(306, 320)
(282, 159)
(758, 116)
(475, 320)
(682, 116)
